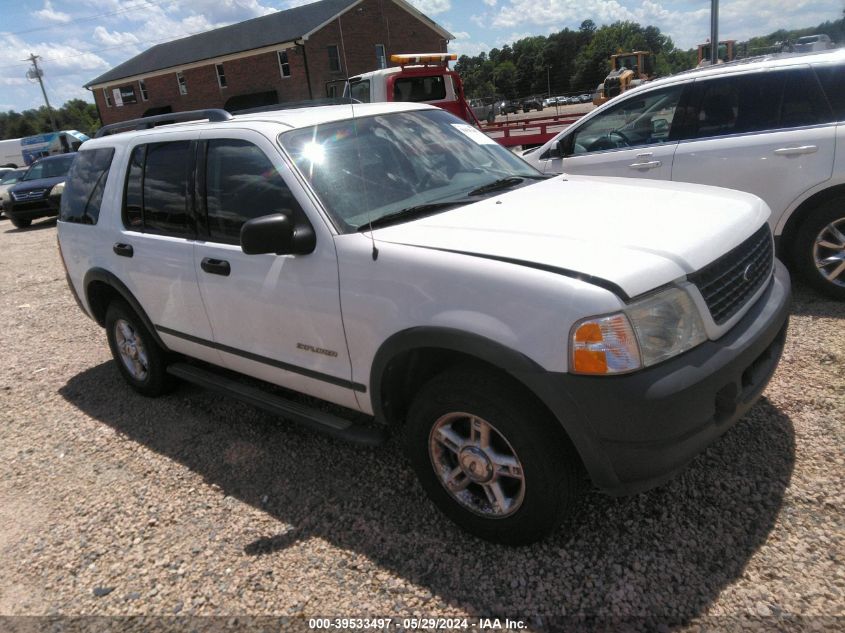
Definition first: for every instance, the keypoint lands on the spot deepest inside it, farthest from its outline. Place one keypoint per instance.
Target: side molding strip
(310, 373)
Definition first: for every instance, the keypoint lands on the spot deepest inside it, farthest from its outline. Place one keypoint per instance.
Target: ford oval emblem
(746, 274)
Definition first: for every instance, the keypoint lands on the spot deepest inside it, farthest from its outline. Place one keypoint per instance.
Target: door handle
(124, 250)
(795, 151)
(216, 266)
(650, 164)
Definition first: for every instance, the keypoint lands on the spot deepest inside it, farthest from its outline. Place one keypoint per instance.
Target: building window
(284, 64)
(143, 89)
(334, 59)
(381, 56)
(183, 87)
(107, 97)
(221, 76)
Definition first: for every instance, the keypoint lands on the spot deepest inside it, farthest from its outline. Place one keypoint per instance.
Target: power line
(145, 5)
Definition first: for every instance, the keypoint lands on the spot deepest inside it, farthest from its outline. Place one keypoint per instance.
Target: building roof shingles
(267, 30)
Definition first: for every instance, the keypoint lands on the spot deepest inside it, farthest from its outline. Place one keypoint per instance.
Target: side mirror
(277, 233)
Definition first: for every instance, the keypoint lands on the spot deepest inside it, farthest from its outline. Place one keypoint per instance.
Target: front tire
(21, 223)
(141, 361)
(490, 458)
(820, 248)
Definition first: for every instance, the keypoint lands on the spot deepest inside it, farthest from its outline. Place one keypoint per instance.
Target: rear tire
(515, 486)
(141, 361)
(820, 248)
(21, 223)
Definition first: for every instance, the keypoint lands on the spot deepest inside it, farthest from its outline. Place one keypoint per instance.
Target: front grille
(731, 280)
(35, 205)
(31, 194)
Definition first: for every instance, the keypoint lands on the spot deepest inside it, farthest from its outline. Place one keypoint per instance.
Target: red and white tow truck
(426, 78)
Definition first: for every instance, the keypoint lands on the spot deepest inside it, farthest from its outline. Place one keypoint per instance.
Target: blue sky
(80, 39)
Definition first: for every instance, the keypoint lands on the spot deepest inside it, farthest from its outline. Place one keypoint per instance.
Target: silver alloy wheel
(131, 349)
(829, 252)
(476, 465)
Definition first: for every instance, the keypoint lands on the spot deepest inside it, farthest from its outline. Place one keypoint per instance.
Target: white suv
(394, 261)
(773, 127)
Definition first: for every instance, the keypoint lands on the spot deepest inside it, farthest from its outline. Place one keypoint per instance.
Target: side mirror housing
(277, 233)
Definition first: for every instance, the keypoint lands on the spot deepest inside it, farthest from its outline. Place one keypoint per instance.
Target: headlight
(58, 189)
(643, 334)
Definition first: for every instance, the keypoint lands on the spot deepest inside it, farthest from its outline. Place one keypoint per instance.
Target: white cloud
(50, 14)
(490, 3)
(114, 38)
(432, 7)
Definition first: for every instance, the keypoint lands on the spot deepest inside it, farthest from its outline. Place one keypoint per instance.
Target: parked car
(397, 262)
(7, 179)
(39, 192)
(584, 98)
(532, 103)
(511, 106)
(773, 127)
(485, 109)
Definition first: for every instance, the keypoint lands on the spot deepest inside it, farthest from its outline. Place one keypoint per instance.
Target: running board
(301, 414)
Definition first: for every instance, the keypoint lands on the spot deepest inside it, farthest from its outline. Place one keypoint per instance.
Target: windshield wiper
(504, 183)
(409, 213)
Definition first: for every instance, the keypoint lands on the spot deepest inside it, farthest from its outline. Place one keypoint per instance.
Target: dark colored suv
(39, 192)
(532, 103)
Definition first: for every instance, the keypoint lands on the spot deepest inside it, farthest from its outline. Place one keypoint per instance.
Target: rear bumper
(634, 432)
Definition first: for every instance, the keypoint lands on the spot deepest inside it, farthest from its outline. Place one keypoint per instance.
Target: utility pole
(714, 32)
(36, 73)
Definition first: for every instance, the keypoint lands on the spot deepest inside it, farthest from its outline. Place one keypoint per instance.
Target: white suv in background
(395, 261)
(774, 127)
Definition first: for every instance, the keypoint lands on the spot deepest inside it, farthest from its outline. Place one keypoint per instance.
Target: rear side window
(84, 187)
(754, 103)
(156, 196)
(833, 81)
(241, 184)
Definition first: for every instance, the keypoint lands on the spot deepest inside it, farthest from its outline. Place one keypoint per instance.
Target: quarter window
(84, 186)
(241, 184)
(183, 86)
(284, 64)
(644, 120)
(156, 188)
(334, 59)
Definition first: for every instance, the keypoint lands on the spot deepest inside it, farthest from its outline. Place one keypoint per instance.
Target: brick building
(302, 53)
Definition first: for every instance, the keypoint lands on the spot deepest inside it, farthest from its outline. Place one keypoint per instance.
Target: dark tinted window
(241, 184)
(833, 82)
(165, 187)
(419, 89)
(84, 187)
(758, 102)
(133, 216)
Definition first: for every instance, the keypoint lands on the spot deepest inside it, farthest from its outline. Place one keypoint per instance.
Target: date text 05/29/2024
(387, 624)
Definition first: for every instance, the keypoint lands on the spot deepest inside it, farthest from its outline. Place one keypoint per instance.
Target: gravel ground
(195, 504)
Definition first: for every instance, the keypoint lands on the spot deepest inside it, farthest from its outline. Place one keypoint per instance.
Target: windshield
(51, 168)
(11, 177)
(367, 168)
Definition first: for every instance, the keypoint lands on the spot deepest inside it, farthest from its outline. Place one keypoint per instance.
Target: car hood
(40, 183)
(628, 234)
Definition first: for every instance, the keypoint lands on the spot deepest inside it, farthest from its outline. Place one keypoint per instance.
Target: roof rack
(215, 115)
(295, 105)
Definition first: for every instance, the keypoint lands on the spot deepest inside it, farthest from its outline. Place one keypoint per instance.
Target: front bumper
(30, 210)
(636, 431)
